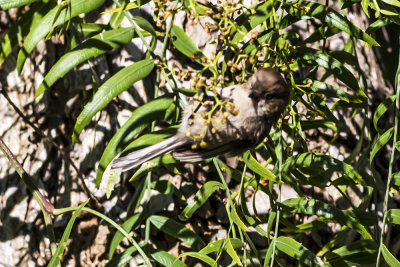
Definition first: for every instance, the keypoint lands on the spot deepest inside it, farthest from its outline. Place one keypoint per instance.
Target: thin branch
(52, 142)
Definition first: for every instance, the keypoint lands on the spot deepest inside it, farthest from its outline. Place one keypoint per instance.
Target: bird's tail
(140, 156)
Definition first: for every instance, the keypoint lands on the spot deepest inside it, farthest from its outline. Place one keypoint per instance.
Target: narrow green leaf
(322, 32)
(184, 43)
(319, 208)
(177, 230)
(197, 7)
(200, 198)
(336, 240)
(166, 187)
(314, 57)
(55, 260)
(128, 225)
(389, 258)
(297, 251)
(8, 4)
(138, 121)
(92, 47)
(145, 25)
(380, 110)
(396, 179)
(91, 29)
(308, 125)
(236, 174)
(331, 17)
(199, 256)
(320, 165)
(21, 28)
(237, 220)
(123, 258)
(231, 251)
(359, 253)
(165, 259)
(380, 142)
(219, 244)
(377, 25)
(394, 216)
(248, 21)
(332, 91)
(127, 7)
(51, 20)
(114, 86)
(305, 227)
(255, 166)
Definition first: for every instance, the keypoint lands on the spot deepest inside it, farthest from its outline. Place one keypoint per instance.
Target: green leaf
(114, 86)
(123, 258)
(396, 179)
(329, 16)
(297, 251)
(8, 4)
(379, 142)
(359, 253)
(177, 230)
(165, 259)
(305, 227)
(51, 20)
(235, 174)
(237, 220)
(389, 258)
(255, 166)
(336, 240)
(308, 125)
(197, 7)
(92, 47)
(331, 91)
(91, 29)
(138, 121)
(128, 225)
(247, 21)
(231, 251)
(321, 209)
(313, 57)
(55, 260)
(184, 43)
(319, 165)
(166, 187)
(321, 33)
(381, 109)
(145, 25)
(219, 244)
(21, 28)
(199, 256)
(200, 198)
(394, 216)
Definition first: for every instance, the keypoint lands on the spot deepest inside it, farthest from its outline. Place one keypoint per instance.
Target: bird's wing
(232, 148)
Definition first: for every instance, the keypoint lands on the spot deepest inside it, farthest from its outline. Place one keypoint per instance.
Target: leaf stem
(391, 163)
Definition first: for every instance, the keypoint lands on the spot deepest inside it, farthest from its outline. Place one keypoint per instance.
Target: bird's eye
(269, 96)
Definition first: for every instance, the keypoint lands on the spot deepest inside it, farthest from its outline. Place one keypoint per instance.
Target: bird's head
(269, 91)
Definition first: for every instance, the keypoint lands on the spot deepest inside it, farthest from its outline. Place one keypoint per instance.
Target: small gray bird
(227, 121)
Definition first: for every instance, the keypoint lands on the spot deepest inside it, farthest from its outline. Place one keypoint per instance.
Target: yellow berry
(203, 144)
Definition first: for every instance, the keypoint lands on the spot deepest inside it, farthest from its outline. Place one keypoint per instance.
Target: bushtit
(227, 121)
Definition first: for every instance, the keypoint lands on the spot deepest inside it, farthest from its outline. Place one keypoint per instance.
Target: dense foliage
(326, 86)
